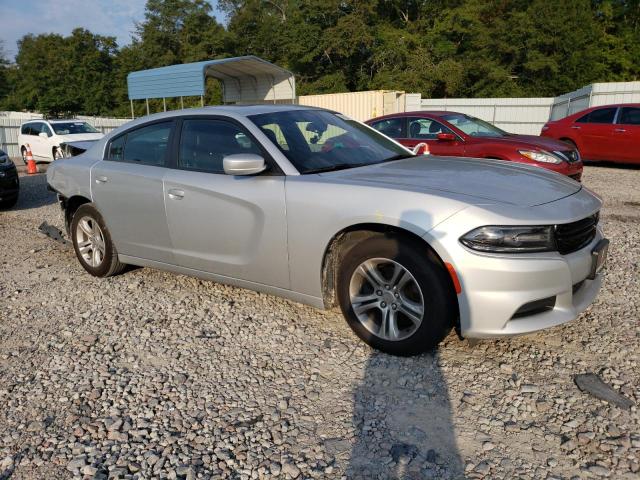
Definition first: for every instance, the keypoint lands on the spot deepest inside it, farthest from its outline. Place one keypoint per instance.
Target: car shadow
(33, 192)
(621, 166)
(403, 421)
(402, 412)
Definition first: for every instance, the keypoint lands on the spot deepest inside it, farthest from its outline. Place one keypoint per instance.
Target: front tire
(93, 244)
(396, 295)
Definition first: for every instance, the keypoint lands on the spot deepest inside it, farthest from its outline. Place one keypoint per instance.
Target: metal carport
(248, 79)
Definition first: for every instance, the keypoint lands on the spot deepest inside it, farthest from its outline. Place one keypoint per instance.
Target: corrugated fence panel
(515, 115)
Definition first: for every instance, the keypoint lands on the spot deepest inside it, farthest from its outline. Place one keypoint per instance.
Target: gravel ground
(149, 374)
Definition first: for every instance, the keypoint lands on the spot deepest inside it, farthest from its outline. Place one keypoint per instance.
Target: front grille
(571, 237)
(571, 156)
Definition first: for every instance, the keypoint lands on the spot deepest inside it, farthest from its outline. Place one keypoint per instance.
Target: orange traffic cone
(31, 163)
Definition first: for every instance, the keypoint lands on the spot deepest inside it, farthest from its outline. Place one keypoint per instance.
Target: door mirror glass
(43, 135)
(243, 164)
(447, 137)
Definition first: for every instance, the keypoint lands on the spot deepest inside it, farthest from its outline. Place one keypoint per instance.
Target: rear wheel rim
(90, 241)
(386, 299)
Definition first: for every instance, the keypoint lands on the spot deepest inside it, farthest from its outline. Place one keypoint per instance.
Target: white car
(45, 136)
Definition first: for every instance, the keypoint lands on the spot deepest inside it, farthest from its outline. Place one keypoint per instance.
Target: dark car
(460, 135)
(608, 132)
(9, 182)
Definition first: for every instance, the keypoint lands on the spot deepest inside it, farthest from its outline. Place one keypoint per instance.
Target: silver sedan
(318, 208)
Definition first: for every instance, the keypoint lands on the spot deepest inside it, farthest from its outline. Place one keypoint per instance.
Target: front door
(234, 226)
(426, 130)
(127, 190)
(627, 135)
(595, 131)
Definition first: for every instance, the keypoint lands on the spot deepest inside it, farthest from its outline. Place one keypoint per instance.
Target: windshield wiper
(337, 166)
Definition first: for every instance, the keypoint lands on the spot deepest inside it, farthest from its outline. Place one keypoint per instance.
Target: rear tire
(23, 152)
(93, 244)
(10, 203)
(408, 275)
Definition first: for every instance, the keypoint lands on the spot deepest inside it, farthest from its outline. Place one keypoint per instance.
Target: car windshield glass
(73, 128)
(316, 140)
(473, 126)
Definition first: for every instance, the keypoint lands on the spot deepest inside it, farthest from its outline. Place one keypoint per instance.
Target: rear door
(627, 134)
(396, 128)
(127, 189)
(426, 130)
(595, 134)
(35, 141)
(234, 226)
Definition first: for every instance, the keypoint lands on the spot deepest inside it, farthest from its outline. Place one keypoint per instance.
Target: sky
(106, 17)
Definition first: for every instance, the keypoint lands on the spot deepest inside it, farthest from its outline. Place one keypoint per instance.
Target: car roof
(57, 120)
(419, 114)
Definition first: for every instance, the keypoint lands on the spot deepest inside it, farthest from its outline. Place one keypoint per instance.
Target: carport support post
(181, 104)
(164, 103)
(132, 114)
(147, 100)
(202, 100)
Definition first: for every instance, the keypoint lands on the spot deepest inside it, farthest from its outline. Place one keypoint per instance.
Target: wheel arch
(71, 205)
(346, 238)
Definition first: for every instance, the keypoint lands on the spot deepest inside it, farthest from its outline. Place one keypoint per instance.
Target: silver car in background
(318, 208)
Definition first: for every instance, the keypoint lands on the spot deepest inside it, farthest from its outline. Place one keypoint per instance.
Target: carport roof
(244, 80)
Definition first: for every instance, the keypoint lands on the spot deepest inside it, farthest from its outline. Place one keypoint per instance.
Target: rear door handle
(176, 194)
(575, 127)
(101, 179)
(619, 130)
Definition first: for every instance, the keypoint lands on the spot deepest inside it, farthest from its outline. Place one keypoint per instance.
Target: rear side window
(391, 127)
(31, 128)
(205, 143)
(26, 129)
(603, 115)
(629, 116)
(146, 146)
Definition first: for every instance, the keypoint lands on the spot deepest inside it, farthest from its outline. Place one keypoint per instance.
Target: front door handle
(619, 130)
(575, 127)
(175, 194)
(101, 179)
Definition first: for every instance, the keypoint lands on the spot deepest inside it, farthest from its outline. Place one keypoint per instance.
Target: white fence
(595, 95)
(515, 115)
(10, 127)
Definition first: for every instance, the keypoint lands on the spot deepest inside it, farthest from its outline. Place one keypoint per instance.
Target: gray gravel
(149, 374)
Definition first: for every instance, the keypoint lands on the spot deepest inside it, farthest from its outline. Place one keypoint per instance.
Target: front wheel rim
(90, 241)
(386, 299)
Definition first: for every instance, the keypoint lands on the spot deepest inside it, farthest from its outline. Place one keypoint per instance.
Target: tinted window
(318, 140)
(116, 149)
(205, 143)
(603, 115)
(426, 129)
(630, 116)
(33, 128)
(146, 145)
(391, 127)
(26, 129)
(45, 129)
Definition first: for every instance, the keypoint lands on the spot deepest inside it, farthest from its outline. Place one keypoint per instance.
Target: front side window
(391, 127)
(146, 145)
(73, 128)
(426, 128)
(318, 140)
(204, 144)
(629, 116)
(472, 126)
(45, 129)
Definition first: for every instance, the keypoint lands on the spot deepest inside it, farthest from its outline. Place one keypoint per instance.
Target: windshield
(473, 126)
(73, 128)
(317, 140)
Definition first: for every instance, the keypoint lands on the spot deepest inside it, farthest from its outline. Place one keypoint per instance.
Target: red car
(460, 135)
(609, 132)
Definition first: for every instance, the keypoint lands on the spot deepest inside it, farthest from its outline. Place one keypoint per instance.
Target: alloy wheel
(386, 299)
(90, 241)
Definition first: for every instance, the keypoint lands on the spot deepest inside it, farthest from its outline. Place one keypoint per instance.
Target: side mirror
(243, 164)
(43, 135)
(447, 137)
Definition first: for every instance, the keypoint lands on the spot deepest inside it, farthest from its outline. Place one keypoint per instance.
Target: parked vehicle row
(313, 206)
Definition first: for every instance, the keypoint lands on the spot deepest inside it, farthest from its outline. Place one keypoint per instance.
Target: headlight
(543, 157)
(510, 239)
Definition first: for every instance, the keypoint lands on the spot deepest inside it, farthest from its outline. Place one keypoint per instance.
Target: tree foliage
(436, 47)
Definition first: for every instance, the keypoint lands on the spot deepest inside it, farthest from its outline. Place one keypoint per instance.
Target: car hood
(533, 142)
(486, 181)
(79, 137)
